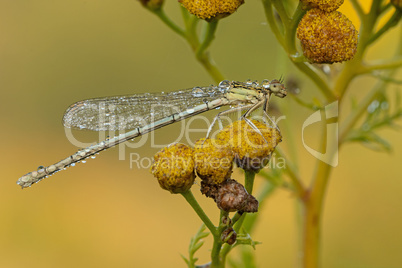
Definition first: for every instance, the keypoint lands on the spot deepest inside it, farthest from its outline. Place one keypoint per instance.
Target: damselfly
(143, 113)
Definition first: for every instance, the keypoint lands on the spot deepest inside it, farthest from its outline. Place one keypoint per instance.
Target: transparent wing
(132, 111)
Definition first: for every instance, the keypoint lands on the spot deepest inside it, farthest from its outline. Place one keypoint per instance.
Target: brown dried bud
(229, 236)
(209, 189)
(232, 196)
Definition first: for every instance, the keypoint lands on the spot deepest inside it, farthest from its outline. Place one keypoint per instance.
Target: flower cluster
(251, 142)
(209, 9)
(326, 35)
(248, 143)
(213, 160)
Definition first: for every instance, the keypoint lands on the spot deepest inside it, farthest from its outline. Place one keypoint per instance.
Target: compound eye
(274, 87)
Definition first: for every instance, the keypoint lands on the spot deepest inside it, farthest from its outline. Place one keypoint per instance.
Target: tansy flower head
(324, 5)
(208, 9)
(213, 160)
(174, 168)
(327, 37)
(252, 143)
(152, 4)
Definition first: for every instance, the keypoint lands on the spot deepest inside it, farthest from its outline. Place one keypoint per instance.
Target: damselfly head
(277, 88)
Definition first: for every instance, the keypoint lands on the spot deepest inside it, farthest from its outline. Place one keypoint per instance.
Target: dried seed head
(174, 168)
(209, 9)
(209, 189)
(232, 196)
(324, 5)
(152, 4)
(213, 160)
(229, 236)
(252, 143)
(327, 37)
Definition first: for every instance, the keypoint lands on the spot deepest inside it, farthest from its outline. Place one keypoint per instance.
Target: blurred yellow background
(106, 214)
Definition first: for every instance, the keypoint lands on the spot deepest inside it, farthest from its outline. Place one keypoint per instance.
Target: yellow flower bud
(324, 5)
(213, 160)
(152, 4)
(174, 168)
(208, 9)
(251, 144)
(327, 37)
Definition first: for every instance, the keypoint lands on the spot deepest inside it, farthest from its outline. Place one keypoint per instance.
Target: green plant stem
(312, 206)
(385, 7)
(293, 175)
(348, 124)
(392, 22)
(354, 116)
(269, 14)
(188, 195)
(160, 13)
(202, 54)
(216, 257)
(311, 215)
(216, 261)
(382, 65)
(280, 9)
(358, 8)
(354, 67)
(190, 35)
(249, 181)
(264, 192)
(209, 36)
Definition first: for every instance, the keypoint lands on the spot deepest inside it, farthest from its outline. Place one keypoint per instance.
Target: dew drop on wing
(210, 89)
(197, 92)
(224, 85)
(265, 83)
(40, 168)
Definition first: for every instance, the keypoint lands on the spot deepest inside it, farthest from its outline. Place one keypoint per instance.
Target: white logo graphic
(330, 156)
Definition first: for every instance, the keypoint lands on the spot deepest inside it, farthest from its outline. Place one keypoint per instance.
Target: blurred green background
(104, 213)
